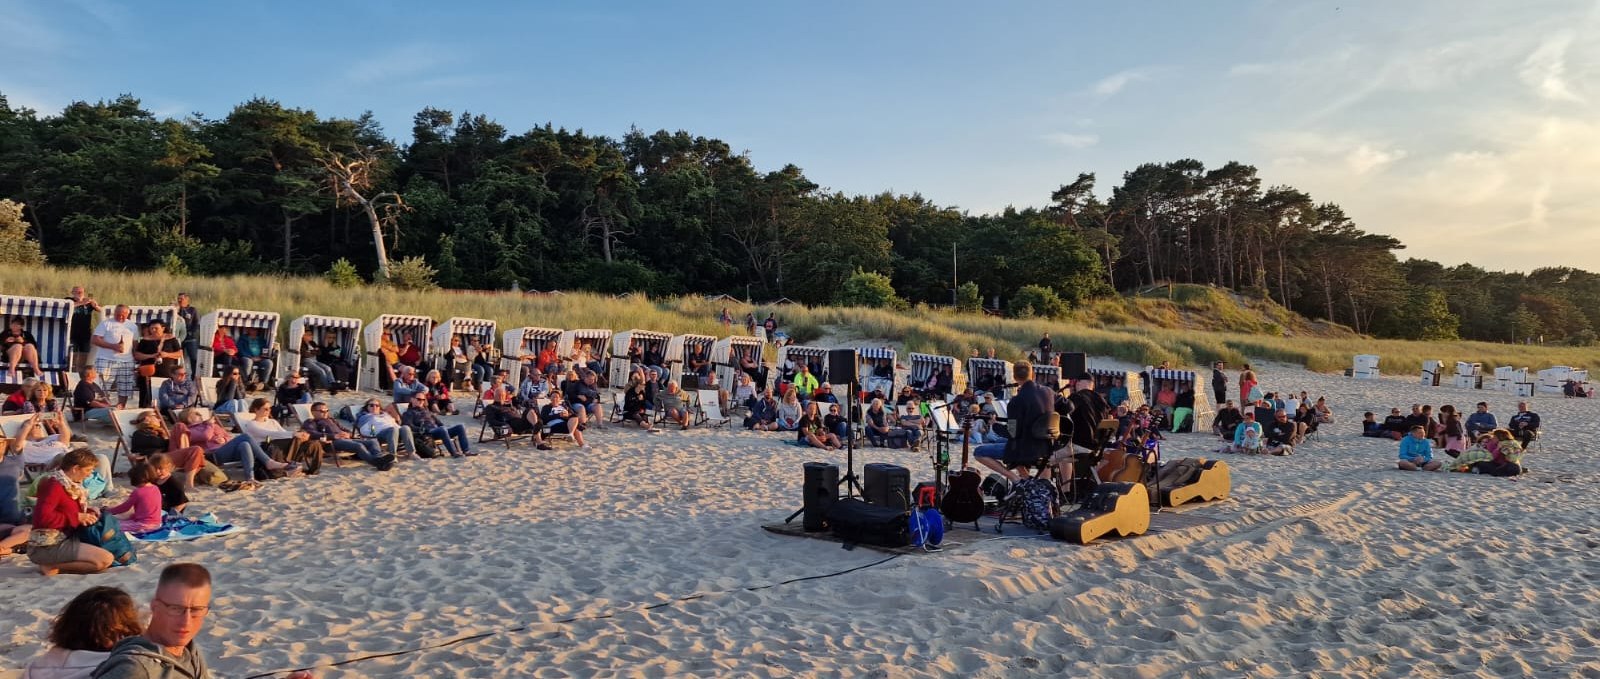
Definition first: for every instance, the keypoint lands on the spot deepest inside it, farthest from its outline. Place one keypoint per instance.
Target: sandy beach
(1326, 563)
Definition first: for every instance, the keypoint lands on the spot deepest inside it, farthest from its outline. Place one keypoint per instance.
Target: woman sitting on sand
(1452, 434)
(61, 510)
(877, 422)
(635, 404)
(813, 431)
(1246, 436)
(789, 412)
(1416, 452)
(1324, 413)
(439, 394)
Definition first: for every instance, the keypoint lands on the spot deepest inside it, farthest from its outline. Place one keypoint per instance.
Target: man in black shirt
(1394, 425)
(187, 326)
(1525, 424)
(1219, 381)
(81, 327)
(1227, 419)
(1280, 434)
(1045, 348)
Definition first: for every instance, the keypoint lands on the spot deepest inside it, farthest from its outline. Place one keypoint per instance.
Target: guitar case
(857, 523)
(1123, 508)
(1213, 482)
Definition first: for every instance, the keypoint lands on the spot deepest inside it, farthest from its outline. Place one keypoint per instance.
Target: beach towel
(180, 528)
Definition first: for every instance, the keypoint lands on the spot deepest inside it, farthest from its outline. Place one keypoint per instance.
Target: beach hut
(683, 348)
(1048, 376)
(140, 315)
(925, 366)
(791, 356)
(1469, 375)
(1522, 382)
(1162, 380)
(525, 342)
(47, 319)
(1432, 370)
(346, 330)
(464, 328)
(1553, 379)
(989, 375)
(396, 326)
(235, 322)
(1503, 378)
(728, 354)
(595, 341)
(876, 370)
(1105, 378)
(648, 341)
(1365, 367)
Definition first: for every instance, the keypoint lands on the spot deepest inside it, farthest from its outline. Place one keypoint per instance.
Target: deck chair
(69, 381)
(122, 421)
(616, 407)
(302, 413)
(484, 432)
(710, 408)
(544, 429)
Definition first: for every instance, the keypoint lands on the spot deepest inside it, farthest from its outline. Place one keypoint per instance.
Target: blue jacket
(1238, 432)
(1478, 423)
(1416, 450)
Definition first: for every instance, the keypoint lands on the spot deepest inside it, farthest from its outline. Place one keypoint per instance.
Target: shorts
(61, 552)
(43, 450)
(993, 451)
(559, 428)
(116, 377)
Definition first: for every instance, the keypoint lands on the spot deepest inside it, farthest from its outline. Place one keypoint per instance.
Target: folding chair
(69, 381)
(616, 407)
(509, 435)
(123, 421)
(710, 408)
(302, 412)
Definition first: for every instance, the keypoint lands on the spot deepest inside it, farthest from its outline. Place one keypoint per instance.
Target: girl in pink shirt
(141, 512)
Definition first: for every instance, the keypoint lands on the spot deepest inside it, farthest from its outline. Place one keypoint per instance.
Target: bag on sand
(1038, 497)
(210, 475)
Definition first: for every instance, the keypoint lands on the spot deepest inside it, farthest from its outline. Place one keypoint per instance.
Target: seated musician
(1023, 449)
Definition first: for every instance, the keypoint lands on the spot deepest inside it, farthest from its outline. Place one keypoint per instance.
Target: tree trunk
(288, 238)
(183, 207)
(377, 239)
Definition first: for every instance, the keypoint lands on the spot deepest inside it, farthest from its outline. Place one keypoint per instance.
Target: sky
(1466, 128)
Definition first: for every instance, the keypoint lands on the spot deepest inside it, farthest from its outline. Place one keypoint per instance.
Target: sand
(1326, 563)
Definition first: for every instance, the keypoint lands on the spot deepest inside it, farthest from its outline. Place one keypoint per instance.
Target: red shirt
(222, 343)
(55, 509)
(546, 357)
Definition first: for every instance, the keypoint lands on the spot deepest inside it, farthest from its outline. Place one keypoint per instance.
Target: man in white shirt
(113, 340)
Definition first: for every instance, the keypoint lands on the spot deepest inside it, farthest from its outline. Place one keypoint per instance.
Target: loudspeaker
(1074, 365)
(886, 485)
(690, 383)
(821, 491)
(842, 366)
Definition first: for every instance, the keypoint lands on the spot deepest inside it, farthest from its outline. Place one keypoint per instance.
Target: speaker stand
(850, 482)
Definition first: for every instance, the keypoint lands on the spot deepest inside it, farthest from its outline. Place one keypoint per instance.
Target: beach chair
(484, 430)
(69, 381)
(710, 408)
(302, 413)
(616, 407)
(123, 421)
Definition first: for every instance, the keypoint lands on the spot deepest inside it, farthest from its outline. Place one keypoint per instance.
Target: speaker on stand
(1074, 365)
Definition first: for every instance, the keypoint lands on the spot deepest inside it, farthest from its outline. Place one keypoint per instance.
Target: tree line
(270, 188)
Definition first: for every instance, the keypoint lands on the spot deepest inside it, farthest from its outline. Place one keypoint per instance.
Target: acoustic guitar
(963, 502)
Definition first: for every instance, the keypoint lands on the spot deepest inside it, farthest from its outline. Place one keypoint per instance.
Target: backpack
(1037, 498)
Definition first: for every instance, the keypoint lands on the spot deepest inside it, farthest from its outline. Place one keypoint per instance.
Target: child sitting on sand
(141, 512)
(174, 494)
(1371, 427)
(1416, 452)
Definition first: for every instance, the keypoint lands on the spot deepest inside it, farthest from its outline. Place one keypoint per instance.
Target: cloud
(1116, 82)
(1330, 153)
(1072, 141)
(407, 61)
(1545, 69)
(1366, 158)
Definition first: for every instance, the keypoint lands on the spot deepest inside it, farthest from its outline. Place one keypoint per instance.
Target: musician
(1031, 402)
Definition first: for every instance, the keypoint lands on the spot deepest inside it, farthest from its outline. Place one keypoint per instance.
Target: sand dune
(1326, 563)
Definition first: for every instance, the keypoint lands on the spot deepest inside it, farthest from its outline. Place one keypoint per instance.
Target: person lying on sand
(1416, 452)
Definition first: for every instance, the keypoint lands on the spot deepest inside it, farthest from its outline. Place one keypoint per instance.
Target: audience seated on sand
(1247, 436)
(195, 429)
(271, 435)
(912, 422)
(151, 437)
(1497, 454)
(291, 392)
(44, 441)
(1394, 426)
(763, 412)
(585, 397)
(560, 419)
(39, 399)
(1280, 435)
(60, 511)
(789, 412)
(84, 632)
(407, 386)
(824, 394)
(1324, 413)
(813, 431)
(878, 423)
(835, 421)
(905, 396)
(981, 431)
(174, 491)
(1524, 425)
(377, 423)
(1371, 427)
(425, 427)
(1306, 419)
(1481, 421)
(140, 512)
(1226, 419)
(14, 526)
(1416, 451)
(323, 428)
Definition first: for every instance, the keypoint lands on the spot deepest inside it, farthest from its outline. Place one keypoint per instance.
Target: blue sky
(1465, 128)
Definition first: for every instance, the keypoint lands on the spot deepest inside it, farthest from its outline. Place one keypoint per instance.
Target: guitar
(963, 502)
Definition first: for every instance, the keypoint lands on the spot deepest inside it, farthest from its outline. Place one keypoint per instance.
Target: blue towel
(178, 528)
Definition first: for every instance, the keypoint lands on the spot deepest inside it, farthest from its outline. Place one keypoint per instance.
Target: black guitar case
(856, 522)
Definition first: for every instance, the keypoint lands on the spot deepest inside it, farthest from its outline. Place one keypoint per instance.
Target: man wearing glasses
(177, 612)
(324, 428)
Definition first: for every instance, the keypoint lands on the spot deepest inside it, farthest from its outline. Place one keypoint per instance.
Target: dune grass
(1130, 330)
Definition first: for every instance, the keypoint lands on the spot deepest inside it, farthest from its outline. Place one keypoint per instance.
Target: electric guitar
(963, 502)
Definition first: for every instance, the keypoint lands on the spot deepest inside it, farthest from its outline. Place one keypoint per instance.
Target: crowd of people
(1475, 443)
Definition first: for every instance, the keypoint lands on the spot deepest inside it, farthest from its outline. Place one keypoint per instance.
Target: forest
(268, 188)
